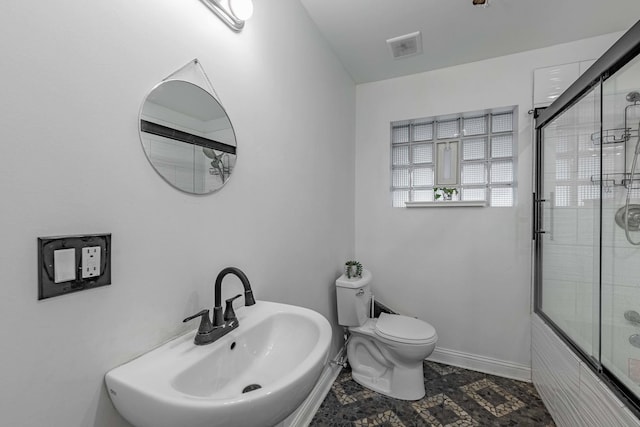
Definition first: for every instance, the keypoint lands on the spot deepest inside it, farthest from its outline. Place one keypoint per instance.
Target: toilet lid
(407, 329)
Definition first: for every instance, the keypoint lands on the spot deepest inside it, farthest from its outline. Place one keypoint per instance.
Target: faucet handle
(229, 314)
(205, 324)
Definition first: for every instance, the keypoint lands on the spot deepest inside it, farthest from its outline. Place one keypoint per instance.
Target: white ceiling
(456, 32)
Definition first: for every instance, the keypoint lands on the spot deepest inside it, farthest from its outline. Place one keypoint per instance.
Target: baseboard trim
(306, 411)
(484, 364)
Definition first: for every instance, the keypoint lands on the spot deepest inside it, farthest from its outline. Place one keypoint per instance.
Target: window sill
(447, 204)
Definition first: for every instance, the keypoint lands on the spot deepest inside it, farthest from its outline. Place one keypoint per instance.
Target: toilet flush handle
(360, 292)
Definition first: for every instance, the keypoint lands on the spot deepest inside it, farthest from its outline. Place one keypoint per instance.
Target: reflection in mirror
(187, 137)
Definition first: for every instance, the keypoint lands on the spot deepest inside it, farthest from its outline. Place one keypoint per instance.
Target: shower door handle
(537, 216)
(534, 216)
(552, 206)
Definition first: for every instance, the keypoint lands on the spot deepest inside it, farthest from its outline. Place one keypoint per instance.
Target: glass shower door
(620, 249)
(568, 203)
(586, 218)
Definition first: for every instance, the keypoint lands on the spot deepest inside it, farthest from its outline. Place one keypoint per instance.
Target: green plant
(349, 267)
(439, 192)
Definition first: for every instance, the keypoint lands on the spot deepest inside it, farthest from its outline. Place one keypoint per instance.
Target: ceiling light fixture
(232, 12)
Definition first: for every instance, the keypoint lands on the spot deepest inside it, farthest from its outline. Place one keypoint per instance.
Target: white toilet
(385, 354)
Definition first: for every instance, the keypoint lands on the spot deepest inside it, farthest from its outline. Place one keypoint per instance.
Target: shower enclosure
(586, 225)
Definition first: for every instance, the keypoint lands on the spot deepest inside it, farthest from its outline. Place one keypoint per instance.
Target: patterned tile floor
(455, 397)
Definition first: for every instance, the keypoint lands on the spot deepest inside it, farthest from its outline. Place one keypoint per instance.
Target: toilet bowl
(386, 353)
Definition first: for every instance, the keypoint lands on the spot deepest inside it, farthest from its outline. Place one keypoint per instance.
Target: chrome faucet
(222, 324)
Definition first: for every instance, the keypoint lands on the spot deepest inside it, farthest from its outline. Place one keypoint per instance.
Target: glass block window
(422, 153)
(502, 172)
(588, 166)
(400, 155)
(422, 196)
(401, 178)
(474, 149)
(448, 129)
(563, 196)
(412, 165)
(474, 126)
(399, 197)
(578, 158)
(502, 146)
(474, 194)
(588, 192)
(423, 177)
(486, 157)
(423, 132)
(474, 173)
(563, 169)
(563, 143)
(400, 134)
(502, 122)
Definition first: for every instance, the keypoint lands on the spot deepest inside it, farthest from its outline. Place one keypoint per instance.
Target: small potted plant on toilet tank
(353, 269)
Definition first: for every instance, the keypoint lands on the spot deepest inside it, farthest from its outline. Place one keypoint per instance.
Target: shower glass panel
(620, 250)
(586, 222)
(570, 209)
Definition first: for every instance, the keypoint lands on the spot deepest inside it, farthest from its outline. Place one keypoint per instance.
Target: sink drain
(251, 387)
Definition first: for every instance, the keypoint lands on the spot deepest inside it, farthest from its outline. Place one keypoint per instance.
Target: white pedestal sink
(256, 375)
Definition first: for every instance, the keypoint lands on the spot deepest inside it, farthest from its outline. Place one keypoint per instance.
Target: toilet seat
(403, 329)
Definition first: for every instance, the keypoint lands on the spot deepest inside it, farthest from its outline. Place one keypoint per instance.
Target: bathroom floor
(455, 397)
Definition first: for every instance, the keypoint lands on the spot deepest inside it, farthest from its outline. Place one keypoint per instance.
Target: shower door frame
(622, 52)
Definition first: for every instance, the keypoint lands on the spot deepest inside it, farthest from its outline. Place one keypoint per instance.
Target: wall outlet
(90, 261)
(73, 263)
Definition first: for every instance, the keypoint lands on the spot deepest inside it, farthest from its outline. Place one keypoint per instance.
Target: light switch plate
(64, 265)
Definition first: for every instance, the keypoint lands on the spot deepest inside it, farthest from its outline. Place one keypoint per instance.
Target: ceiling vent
(407, 45)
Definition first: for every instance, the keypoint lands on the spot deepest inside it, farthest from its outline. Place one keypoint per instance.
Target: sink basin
(256, 375)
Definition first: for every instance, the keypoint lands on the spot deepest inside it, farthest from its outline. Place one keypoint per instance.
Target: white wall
(73, 76)
(464, 270)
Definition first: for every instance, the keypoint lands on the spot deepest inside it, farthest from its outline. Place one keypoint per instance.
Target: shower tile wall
(550, 82)
(570, 391)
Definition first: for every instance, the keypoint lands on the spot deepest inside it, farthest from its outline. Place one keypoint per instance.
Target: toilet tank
(353, 296)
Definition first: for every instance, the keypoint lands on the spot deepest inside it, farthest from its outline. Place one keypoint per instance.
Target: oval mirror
(187, 137)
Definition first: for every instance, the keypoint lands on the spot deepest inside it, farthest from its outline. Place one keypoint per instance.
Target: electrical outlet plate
(90, 261)
(92, 268)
